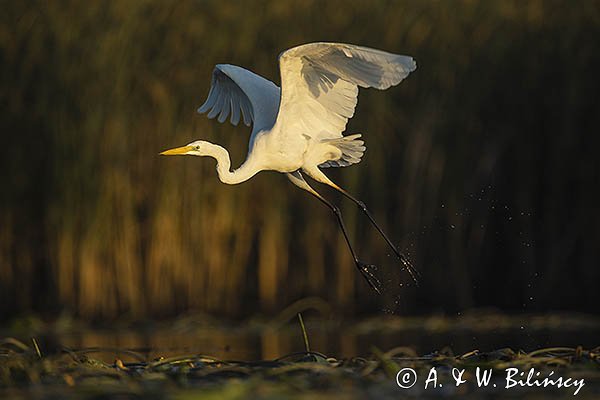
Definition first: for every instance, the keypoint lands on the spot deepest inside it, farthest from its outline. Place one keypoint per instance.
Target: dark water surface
(263, 340)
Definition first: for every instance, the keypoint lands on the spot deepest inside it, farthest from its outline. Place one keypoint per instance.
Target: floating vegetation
(25, 370)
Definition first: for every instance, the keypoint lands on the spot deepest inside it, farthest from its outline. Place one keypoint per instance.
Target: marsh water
(265, 340)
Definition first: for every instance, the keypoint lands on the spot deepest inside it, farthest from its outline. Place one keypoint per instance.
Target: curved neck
(246, 171)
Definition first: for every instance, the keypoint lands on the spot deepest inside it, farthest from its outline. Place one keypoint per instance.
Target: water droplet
(452, 226)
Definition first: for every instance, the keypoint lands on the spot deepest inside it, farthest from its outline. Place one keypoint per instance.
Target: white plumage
(298, 128)
(320, 91)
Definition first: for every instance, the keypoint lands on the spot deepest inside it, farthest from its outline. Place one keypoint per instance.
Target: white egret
(298, 127)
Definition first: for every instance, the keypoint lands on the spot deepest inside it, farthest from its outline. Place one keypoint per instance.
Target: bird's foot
(367, 271)
(406, 264)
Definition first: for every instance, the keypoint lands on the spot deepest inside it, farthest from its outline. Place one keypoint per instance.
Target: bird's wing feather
(242, 94)
(320, 82)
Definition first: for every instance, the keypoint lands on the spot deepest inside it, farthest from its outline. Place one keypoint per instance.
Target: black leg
(403, 259)
(364, 268)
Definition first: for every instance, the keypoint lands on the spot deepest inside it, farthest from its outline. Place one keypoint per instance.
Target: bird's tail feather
(352, 149)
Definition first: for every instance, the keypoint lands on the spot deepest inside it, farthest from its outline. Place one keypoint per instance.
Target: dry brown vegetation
(25, 371)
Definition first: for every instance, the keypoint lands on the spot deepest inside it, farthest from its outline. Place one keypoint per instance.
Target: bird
(297, 128)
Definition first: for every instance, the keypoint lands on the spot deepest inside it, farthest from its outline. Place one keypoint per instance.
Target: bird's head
(197, 148)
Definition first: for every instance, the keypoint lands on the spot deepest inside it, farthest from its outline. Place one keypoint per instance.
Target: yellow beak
(177, 151)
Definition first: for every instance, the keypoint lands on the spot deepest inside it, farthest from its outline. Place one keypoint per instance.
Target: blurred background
(482, 165)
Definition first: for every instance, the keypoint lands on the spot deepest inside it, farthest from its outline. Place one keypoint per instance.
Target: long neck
(246, 171)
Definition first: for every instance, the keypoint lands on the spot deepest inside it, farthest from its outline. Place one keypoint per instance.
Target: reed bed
(479, 165)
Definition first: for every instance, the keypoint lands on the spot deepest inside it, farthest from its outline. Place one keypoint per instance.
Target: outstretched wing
(320, 83)
(242, 94)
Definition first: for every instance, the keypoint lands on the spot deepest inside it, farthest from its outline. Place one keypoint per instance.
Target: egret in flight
(298, 128)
